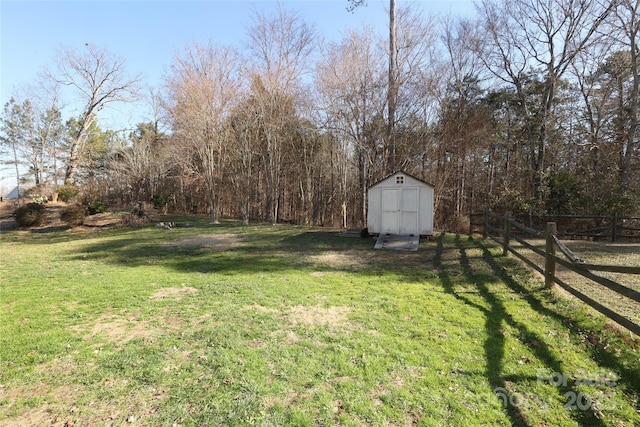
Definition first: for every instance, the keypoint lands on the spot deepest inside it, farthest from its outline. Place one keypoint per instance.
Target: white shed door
(399, 211)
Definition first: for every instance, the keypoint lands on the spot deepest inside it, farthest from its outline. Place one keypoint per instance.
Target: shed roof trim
(400, 172)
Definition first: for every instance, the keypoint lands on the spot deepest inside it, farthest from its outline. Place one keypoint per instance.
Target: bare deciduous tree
(543, 36)
(350, 80)
(203, 89)
(392, 84)
(143, 166)
(98, 78)
(462, 123)
(628, 23)
(596, 110)
(280, 47)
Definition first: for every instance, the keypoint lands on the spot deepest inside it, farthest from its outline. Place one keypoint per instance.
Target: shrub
(97, 207)
(40, 198)
(74, 214)
(159, 201)
(38, 194)
(139, 211)
(30, 215)
(565, 194)
(514, 201)
(68, 193)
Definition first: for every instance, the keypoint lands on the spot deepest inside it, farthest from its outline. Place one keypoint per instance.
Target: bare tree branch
(100, 79)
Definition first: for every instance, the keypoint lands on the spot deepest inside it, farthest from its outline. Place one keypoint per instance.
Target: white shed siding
(401, 204)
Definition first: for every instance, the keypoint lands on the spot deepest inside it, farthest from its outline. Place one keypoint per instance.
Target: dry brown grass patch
(318, 316)
(173, 293)
(309, 315)
(62, 409)
(40, 416)
(117, 329)
(105, 219)
(57, 402)
(340, 260)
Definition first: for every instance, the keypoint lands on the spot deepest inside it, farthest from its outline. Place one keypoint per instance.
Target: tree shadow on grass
(259, 252)
(133, 253)
(496, 317)
(628, 376)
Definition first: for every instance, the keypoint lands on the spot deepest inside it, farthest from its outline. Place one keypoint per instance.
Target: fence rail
(610, 227)
(503, 229)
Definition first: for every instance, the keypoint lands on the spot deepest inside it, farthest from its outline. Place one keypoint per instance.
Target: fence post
(506, 233)
(614, 227)
(485, 222)
(550, 253)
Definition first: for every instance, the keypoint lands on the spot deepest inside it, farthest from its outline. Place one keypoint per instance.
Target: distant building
(12, 195)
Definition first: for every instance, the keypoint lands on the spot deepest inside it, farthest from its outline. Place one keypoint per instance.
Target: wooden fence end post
(550, 253)
(485, 222)
(506, 233)
(614, 227)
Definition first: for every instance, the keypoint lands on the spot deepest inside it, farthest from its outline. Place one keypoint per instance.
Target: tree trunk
(362, 177)
(633, 120)
(392, 91)
(15, 162)
(74, 154)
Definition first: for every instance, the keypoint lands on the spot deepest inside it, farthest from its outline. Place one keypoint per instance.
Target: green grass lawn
(282, 325)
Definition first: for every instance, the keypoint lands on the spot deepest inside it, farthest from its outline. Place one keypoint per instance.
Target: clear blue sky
(147, 33)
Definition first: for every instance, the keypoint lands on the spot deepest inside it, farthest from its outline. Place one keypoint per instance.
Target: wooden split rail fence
(594, 227)
(499, 228)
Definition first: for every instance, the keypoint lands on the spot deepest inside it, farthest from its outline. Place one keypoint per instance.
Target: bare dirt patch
(309, 315)
(288, 338)
(117, 329)
(173, 293)
(292, 338)
(56, 401)
(61, 407)
(42, 415)
(7, 222)
(339, 260)
(216, 242)
(356, 260)
(66, 404)
(105, 219)
(53, 210)
(7, 208)
(318, 316)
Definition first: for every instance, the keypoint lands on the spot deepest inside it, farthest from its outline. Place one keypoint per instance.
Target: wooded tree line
(532, 105)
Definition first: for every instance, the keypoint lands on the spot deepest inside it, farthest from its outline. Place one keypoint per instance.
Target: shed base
(397, 243)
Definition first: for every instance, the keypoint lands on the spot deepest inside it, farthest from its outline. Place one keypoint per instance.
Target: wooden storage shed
(400, 204)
